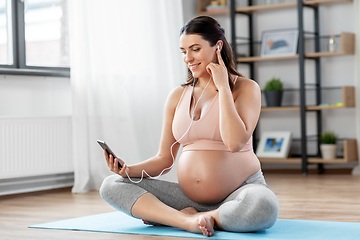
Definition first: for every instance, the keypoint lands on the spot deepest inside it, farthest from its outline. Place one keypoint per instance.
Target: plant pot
(273, 98)
(328, 151)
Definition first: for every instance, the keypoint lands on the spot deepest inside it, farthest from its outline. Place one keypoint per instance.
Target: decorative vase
(273, 98)
(328, 151)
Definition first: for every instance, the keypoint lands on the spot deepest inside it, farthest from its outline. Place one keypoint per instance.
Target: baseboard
(310, 171)
(36, 183)
(37, 193)
(292, 168)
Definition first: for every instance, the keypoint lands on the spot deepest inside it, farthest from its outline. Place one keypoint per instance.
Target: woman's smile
(194, 66)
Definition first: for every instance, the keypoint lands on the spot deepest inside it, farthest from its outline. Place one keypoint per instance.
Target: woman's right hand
(113, 164)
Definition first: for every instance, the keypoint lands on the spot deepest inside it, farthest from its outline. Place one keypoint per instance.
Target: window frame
(19, 66)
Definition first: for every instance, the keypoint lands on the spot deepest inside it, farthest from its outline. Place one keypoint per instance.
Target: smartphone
(108, 150)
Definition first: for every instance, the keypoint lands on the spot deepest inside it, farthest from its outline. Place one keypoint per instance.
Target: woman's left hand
(218, 72)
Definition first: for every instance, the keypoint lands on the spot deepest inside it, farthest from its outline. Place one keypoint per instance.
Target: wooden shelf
(297, 108)
(321, 2)
(323, 54)
(258, 59)
(350, 155)
(255, 8)
(313, 108)
(280, 160)
(271, 109)
(249, 9)
(348, 100)
(214, 12)
(269, 7)
(348, 96)
(347, 48)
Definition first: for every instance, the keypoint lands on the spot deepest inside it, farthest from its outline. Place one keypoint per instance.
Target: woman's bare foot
(206, 225)
(152, 223)
(203, 220)
(199, 222)
(203, 224)
(189, 211)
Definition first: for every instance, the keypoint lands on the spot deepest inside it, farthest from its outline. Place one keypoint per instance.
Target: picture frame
(276, 43)
(274, 144)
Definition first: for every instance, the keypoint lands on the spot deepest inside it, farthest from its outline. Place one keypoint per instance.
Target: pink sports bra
(204, 133)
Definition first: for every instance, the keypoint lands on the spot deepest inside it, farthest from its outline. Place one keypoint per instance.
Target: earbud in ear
(218, 47)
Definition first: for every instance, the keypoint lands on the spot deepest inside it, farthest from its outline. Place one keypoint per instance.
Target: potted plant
(328, 145)
(273, 91)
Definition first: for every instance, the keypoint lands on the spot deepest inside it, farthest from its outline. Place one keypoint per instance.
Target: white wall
(44, 99)
(190, 9)
(34, 96)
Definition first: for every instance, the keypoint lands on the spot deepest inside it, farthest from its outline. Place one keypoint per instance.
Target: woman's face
(197, 54)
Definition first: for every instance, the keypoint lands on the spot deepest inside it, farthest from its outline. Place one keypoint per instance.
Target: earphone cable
(172, 155)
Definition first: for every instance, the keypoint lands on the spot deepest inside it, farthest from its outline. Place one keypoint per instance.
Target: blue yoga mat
(117, 222)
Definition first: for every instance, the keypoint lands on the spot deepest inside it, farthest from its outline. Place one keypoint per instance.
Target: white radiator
(35, 147)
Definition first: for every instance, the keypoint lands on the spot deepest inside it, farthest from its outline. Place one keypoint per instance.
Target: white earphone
(218, 47)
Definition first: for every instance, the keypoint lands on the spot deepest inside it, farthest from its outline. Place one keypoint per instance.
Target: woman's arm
(239, 109)
(163, 159)
(239, 113)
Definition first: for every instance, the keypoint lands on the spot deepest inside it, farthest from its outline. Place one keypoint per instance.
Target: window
(6, 54)
(34, 37)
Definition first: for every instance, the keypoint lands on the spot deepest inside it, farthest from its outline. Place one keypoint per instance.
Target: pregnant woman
(213, 116)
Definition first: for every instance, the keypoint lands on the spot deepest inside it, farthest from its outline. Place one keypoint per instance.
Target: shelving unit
(347, 48)
(348, 101)
(350, 155)
(348, 92)
(255, 8)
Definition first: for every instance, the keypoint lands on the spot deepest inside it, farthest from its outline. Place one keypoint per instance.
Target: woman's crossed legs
(252, 207)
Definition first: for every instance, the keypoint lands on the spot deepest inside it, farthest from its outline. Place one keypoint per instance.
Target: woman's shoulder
(242, 82)
(175, 95)
(177, 92)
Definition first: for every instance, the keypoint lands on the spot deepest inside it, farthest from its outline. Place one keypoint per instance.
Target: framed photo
(279, 43)
(274, 144)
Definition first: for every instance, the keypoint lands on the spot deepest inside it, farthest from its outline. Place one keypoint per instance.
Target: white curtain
(125, 59)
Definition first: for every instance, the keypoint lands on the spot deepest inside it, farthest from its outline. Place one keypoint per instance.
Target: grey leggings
(252, 207)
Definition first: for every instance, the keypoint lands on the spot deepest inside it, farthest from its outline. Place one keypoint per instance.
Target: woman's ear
(219, 45)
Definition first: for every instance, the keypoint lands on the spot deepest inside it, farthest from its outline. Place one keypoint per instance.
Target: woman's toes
(206, 225)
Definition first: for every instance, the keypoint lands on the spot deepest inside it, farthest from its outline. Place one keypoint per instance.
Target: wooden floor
(314, 197)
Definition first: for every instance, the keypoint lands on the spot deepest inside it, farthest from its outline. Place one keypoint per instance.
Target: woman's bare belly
(210, 176)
